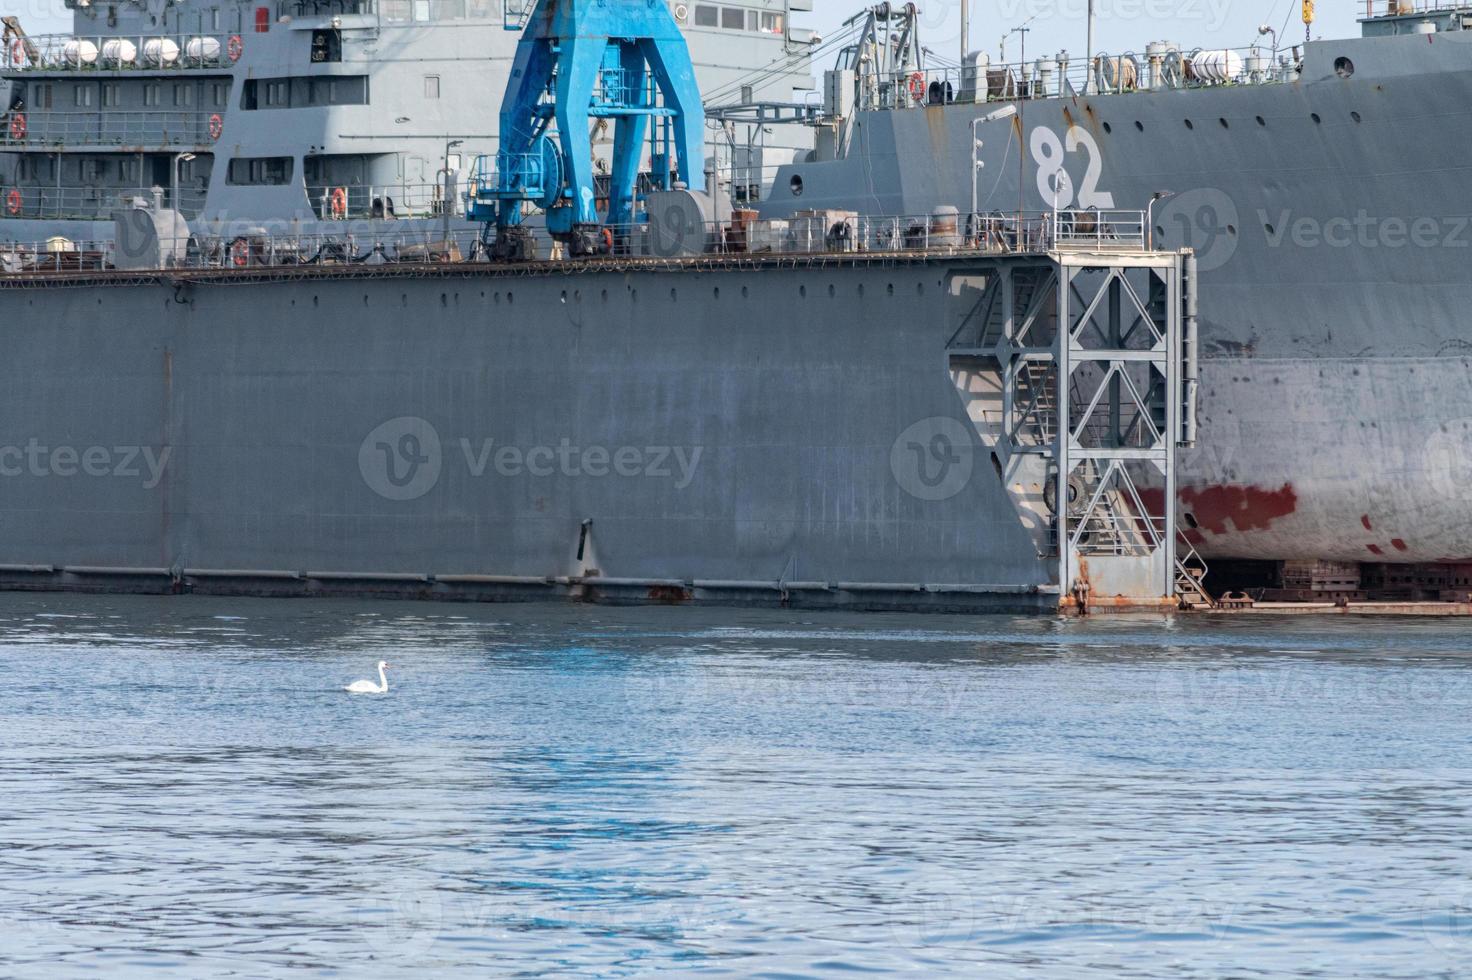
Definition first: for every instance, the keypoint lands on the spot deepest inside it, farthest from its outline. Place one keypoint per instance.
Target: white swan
(368, 687)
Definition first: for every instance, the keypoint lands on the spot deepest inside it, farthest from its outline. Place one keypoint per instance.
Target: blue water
(595, 791)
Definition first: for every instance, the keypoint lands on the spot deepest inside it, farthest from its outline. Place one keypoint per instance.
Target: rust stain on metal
(669, 594)
(935, 121)
(1246, 508)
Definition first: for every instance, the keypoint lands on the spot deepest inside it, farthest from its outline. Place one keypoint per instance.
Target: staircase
(1190, 574)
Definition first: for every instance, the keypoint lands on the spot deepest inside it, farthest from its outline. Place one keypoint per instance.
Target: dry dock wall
(735, 433)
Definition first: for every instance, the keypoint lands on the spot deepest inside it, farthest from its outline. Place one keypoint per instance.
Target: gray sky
(1056, 24)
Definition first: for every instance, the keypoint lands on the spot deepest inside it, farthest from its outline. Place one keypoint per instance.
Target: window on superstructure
(771, 23)
(215, 19)
(221, 92)
(111, 95)
(707, 16)
(733, 18)
(83, 96)
(183, 94)
(152, 94)
(278, 93)
(259, 171)
(90, 171)
(431, 86)
(42, 98)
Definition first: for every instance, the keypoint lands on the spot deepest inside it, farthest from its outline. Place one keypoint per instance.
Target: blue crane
(579, 61)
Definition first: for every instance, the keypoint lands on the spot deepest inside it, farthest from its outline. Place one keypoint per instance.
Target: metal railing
(345, 202)
(111, 127)
(1404, 8)
(1055, 77)
(324, 8)
(88, 203)
(122, 52)
(811, 235)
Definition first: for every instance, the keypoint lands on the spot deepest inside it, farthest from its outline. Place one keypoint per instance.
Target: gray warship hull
(1330, 221)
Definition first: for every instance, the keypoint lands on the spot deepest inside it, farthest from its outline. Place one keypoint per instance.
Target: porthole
(1190, 125)
(1269, 229)
(743, 292)
(802, 291)
(1108, 128)
(1315, 117)
(831, 290)
(1231, 229)
(1261, 121)
(1159, 232)
(1343, 67)
(1355, 116)
(795, 185)
(1139, 125)
(1223, 121)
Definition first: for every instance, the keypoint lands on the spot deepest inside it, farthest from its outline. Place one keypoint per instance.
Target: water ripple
(601, 792)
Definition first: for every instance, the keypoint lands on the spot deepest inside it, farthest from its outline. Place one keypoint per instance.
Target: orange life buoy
(18, 126)
(217, 126)
(13, 202)
(607, 241)
(234, 47)
(917, 86)
(339, 202)
(239, 252)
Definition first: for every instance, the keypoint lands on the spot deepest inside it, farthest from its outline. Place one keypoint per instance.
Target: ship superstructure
(295, 112)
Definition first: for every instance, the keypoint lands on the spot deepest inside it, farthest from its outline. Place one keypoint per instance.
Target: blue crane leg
(675, 76)
(628, 140)
(577, 71)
